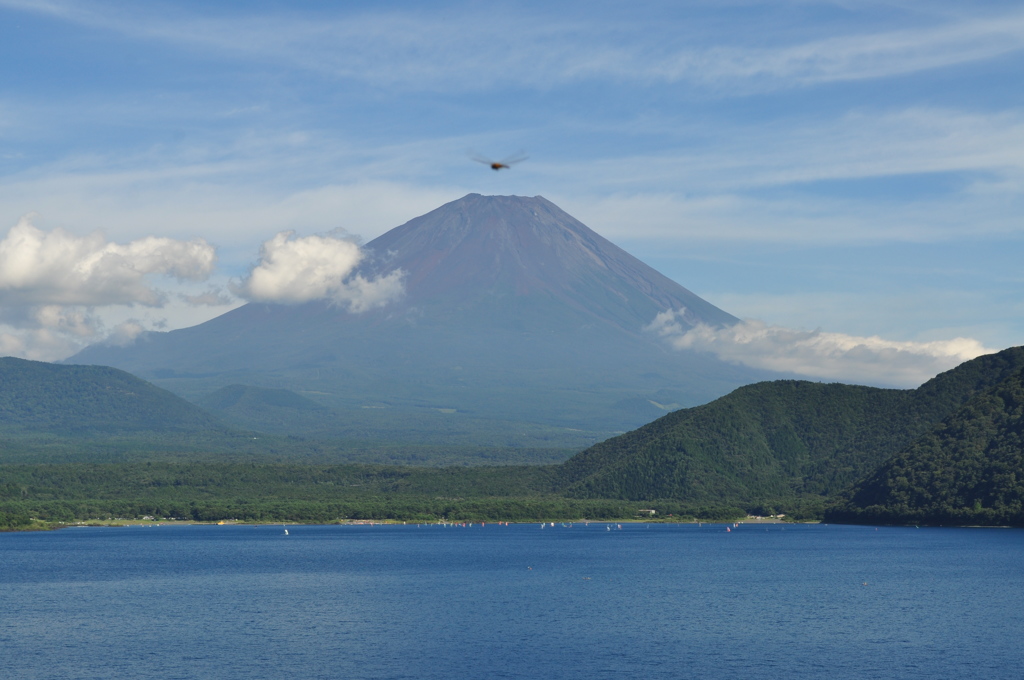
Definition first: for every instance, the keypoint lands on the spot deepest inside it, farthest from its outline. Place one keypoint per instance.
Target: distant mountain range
(53, 413)
(521, 338)
(948, 452)
(515, 316)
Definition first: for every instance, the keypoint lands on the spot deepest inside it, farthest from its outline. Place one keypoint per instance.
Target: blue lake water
(664, 601)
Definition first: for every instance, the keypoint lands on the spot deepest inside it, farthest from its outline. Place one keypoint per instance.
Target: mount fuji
(516, 319)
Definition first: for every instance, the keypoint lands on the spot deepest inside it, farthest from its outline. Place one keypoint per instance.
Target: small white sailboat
(285, 529)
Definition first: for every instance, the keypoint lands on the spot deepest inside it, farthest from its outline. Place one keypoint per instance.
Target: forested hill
(777, 440)
(969, 470)
(80, 400)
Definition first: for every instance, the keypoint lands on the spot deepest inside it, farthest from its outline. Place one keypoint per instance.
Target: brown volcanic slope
(513, 310)
(485, 249)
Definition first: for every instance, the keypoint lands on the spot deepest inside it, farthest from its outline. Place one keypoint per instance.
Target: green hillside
(776, 441)
(87, 400)
(968, 470)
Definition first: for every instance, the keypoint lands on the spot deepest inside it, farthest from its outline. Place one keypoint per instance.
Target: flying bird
(502, 164)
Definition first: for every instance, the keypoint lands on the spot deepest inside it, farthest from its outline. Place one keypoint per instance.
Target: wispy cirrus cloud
(858, 144)
(232, 190)
(745, 182)
(856, 56)
(419, 50)
(805, 184)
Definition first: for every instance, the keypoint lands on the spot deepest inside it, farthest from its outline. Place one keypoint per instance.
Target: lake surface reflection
(657, 601)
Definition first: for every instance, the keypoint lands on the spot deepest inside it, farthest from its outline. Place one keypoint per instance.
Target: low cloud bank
(53, 282)
(56, 287)
(51, 332)
(46, 332)
(817, 354)
(58, 267)
(293, 270)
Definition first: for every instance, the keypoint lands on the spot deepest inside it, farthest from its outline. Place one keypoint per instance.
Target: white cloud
(124, 333)
(39, 344)
(835, 356)
(73, 321)
(53, 285)
(898, 312)
(211, 297)
(57, 267)
(300, 269)
(47, 332)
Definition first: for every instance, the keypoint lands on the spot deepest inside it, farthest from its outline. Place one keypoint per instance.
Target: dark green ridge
(776, 440)
(969, 470)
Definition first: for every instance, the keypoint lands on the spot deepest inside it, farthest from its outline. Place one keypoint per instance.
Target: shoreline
(127, 523)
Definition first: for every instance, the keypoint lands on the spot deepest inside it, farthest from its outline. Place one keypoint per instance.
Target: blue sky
(847, 176)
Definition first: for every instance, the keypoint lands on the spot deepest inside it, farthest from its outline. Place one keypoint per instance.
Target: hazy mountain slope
(352, 432)
(51, 413)
(969, 470)
(776, 440)
(513, 311)
(257, 406)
